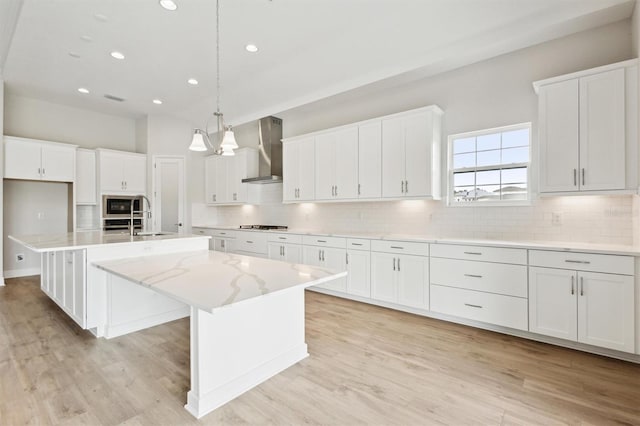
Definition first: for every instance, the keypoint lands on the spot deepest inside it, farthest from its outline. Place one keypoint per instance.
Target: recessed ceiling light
(74, 54)
(86, 38)
(168, 4)
(117, 55)
(251, 48)
(83, 90)
(192, 81)
(100, 17)
(157, 101)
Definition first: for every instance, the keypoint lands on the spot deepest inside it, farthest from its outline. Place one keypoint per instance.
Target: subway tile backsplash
(601, 219)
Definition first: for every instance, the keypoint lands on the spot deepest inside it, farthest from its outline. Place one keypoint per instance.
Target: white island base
(241, 346)
(247, 315)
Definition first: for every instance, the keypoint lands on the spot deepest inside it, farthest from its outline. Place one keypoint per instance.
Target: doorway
(168, 193)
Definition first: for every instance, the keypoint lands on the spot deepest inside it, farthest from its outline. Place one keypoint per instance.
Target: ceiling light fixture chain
(228, 140)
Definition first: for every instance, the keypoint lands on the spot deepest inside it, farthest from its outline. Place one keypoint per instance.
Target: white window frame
(476, 133)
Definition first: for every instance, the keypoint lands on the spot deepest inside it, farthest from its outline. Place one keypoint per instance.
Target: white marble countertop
(83, 239)
(209, 280)
(539, 245)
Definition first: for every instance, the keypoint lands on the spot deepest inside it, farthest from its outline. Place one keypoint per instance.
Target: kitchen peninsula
(247, 314)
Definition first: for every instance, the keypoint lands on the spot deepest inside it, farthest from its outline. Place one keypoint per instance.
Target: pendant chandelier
(200, 140)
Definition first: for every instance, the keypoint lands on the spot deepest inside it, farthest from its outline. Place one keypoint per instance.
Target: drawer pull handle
(223, 233)
(397, 247)
(473, 276)
(321, 241)
(356, 244)
(250, 242)
(473, 306)
(584, 262)
(282, 238)
(202, 232)
(573, 280)
(476, 253)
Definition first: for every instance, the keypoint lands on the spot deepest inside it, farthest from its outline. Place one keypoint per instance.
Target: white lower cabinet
(285, 252)
(584, 297)
(359, 272)
(63, 280)
(401, 279)
(326, 252)
(587, 307)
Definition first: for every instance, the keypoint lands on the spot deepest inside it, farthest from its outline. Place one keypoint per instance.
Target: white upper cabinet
(336, 164)
(39, 160)
(122, 172)
(298, 169)
(224, 174)
(86, 177)
(396, 156)
(588, 130)
(411, 154)
(370, 160)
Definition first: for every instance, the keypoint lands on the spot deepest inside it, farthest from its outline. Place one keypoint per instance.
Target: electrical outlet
(556, 218)
(19, 257)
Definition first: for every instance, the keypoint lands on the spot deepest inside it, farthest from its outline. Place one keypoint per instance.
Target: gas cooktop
(264, 227)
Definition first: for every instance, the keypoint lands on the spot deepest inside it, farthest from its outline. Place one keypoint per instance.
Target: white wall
(1, 174)
(491, 93)
(34, 208)
(38, 119)
(635, 40)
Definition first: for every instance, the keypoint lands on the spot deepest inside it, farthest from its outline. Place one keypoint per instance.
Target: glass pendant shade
(227, 152)
(229, 140)
(197, 143)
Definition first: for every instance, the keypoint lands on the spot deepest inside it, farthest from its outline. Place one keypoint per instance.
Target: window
(490, 166)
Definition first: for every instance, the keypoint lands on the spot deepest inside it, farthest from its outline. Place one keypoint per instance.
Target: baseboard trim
(121, 329)
(17, 273)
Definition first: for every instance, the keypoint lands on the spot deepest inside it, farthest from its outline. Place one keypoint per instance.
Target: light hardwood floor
(367, 365)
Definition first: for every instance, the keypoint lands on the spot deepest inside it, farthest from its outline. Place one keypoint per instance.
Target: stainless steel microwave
(120, 206)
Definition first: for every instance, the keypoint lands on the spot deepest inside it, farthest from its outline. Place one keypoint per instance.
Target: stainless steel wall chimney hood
(269, 152)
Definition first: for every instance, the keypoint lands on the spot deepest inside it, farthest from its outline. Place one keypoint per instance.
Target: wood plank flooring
(368, 365)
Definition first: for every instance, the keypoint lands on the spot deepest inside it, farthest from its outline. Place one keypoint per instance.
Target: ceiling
(309, 49)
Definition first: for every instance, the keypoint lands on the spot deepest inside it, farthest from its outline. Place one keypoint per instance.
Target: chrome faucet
(132, 231)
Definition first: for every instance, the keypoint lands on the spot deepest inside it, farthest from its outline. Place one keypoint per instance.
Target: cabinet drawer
(202, 231)
(284, 238)
(485, 254)
(226, 233)
(314, 240)
(358, 244)
(500, 278)
(251, 242)
(591, 262)
(400, 247)
(495, 309)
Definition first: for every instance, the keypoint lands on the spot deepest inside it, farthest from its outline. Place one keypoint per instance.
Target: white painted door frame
(156, 189)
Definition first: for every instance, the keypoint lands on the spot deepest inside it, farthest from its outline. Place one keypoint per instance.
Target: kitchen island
(247, 315)
(81, 290)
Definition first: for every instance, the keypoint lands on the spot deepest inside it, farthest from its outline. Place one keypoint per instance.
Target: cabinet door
(80, 283)
(135, 174)
(46, 268)
(336, 260)
(346, 164)
(275, 251)
(240, 170)
(393, 158)
(413, 281)
(210, 179)
(306, 162)
(370, 160)
(290, 171)
(221, 244)
(552, 302)
(359, 269)
(58, 278)
(221, 180)
(111, 173)
(602, 131)
(312, 255)
(417, 145)
(558, 128)
(69, 277)
(22, 160)
(606, 311)
(58, 163)
(86, 177)
(383, 277)
(292, 253)
(325, 165)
